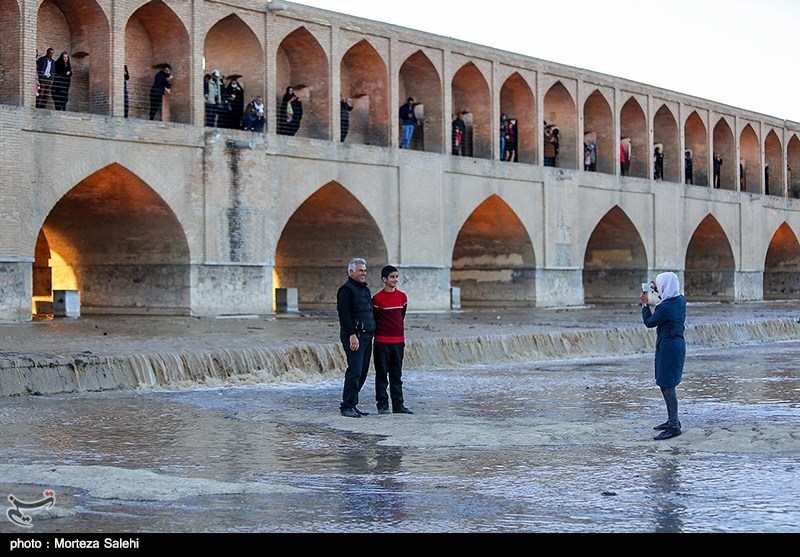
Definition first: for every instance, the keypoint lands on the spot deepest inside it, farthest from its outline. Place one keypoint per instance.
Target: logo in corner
(16, 514)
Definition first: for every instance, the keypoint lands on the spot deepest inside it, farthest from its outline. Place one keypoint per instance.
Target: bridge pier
(559, 287)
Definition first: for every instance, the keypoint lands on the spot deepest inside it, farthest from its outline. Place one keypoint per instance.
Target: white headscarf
(668, 285)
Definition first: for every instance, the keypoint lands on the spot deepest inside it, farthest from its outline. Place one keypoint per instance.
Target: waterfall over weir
(308, 362)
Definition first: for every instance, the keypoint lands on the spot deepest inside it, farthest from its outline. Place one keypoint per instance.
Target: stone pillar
(749, 285)
(559, 287)
(231, 289)
(16, 290)
(428, 287)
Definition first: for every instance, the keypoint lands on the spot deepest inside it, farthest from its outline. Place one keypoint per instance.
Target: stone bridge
(172, 217)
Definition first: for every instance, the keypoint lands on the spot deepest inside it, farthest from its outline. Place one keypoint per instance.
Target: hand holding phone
(647, 287)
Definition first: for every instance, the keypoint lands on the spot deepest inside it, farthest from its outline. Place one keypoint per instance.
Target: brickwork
(171, 217)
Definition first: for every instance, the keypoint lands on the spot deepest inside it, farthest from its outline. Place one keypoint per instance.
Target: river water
(550, 446)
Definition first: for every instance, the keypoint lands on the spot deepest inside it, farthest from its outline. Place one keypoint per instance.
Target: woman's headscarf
(668, 285)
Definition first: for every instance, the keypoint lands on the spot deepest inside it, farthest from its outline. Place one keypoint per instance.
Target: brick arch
(301, 63)
(155, 35)
(233, 48)
(517, 101)
(119, 243)
(726, 149)
(418, 78)
(598, 126)
(80, 28)
(749, 149)
(471, 95)
(710, 264)
(560, 111)
(494, 265)
(793, 166)
(11, 55)
(615, 260)
(665, 133)
(773, 169)
(782, 265)
(696, 141)
(634, 130)
(365, 79)
(323, 234)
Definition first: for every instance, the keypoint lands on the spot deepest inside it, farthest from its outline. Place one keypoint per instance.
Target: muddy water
(547, 446)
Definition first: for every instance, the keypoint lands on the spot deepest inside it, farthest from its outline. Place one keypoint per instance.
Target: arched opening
(696, 154)
(724, 164)
(599, 128)
(710, 266)
(493, 258)
(80, 29)
(560, 112)
(11, 54)
(302, 64)
(615, 262)
(750, 162)
(517, 101)
(773, 167)
(782, 265)
(471, 95)
(633, 127)
(232, 48)
(364, 79)
(315, 246)
(793, 166)
(116, 241)
(155, 36)
(419, 79)
(665, 133)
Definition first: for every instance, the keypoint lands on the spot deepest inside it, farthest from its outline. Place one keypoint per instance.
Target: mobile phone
(647, 287)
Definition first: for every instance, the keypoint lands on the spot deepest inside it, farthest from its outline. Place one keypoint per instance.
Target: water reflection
(561, 446)
(371, 485)
(667, 506)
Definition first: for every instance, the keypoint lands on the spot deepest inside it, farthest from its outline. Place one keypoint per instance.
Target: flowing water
(545, 446)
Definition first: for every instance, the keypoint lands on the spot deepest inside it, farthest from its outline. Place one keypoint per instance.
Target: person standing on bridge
(458, 134)
(717, 168)
(162, 85)
(669, 318)
(345, 108)
(408, 121)
(658, 164)
(45, 71)
(687, 162)
(356, 329)
(550, 142)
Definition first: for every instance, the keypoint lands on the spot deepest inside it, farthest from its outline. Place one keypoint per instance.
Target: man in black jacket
(408, 121)
(356, 329)
(45, 72)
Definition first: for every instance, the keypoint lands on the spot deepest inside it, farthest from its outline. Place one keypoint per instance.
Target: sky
(743, 53)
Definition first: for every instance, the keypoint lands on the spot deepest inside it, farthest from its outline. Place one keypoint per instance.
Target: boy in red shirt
(389, 307)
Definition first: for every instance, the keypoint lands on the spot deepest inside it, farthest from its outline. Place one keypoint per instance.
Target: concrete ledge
(50, 374)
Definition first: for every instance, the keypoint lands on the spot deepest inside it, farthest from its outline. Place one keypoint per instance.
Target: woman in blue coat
(669, 318)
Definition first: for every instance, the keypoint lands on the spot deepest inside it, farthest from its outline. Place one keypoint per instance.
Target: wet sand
(551, 446)
(549, 430)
